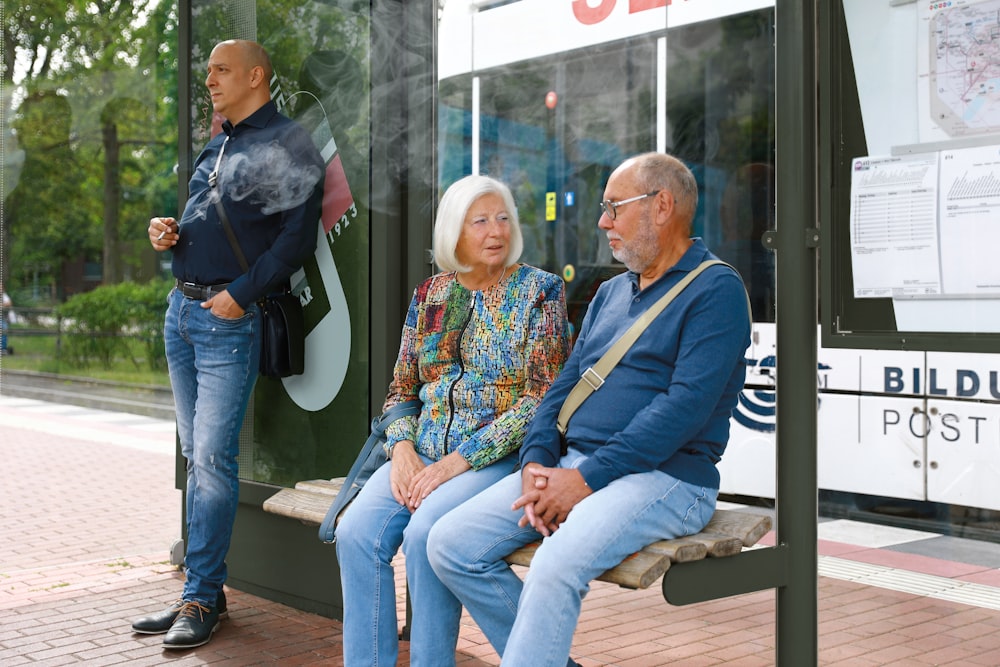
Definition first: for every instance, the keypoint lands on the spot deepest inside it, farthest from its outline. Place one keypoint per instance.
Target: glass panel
(88, 115)
(311, 425)
(916, 137)
(572, 93)
(911, 236)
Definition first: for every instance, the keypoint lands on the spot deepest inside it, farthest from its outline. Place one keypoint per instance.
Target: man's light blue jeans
(213, 365)
(533, 623)
(367, 537)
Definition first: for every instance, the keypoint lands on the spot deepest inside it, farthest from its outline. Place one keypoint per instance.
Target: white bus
(550, 95)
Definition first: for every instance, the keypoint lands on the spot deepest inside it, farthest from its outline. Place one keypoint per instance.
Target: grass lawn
(39, 353)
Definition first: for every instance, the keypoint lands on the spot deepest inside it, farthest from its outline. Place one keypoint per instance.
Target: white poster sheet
(894, 244)
(926, 225)
(969, 221)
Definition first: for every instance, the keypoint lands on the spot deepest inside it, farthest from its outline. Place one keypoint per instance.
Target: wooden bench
(727, 534)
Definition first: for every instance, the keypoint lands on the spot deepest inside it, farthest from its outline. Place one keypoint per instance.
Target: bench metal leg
(713, 578)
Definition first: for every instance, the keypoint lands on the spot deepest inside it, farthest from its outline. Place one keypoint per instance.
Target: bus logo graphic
(755, 406)
(755, 410)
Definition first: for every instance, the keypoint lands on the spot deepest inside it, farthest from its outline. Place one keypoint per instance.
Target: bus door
(554, 128)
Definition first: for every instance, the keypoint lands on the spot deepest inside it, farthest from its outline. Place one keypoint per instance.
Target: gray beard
(642, 250)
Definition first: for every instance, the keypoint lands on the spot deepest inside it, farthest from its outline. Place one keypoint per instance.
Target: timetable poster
(894, 243)
(926, 225)
(969, 221)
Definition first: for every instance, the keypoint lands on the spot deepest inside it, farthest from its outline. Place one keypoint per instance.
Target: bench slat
(728, 532)
(744, 525)
(306, 506)
(718, 546)
(679, 550)
(640, 570)
(330, 487)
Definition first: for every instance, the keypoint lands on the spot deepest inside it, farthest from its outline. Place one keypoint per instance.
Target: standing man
(268, 177)
(638, 461)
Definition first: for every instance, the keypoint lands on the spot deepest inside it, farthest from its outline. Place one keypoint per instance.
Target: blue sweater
(667, 403)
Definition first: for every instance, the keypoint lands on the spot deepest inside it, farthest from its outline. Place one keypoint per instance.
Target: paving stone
(80, 558)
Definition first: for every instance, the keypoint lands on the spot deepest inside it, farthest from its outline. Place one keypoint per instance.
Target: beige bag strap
(592, 378)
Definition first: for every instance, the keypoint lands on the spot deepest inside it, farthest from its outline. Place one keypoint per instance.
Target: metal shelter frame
(790, 566)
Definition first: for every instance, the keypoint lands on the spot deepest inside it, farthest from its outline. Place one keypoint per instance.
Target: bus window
(553, 126)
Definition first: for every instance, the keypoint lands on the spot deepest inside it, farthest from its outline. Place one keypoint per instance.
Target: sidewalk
(88, 512)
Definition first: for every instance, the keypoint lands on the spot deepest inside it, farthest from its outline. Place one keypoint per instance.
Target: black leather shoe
(160, 622)
(194, 626)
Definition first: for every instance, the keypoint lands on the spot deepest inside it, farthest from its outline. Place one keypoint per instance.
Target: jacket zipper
(461, 366)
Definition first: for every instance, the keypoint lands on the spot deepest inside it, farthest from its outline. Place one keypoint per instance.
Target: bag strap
(592, 378)
(231, 235)
(213, 180)
(379, 424)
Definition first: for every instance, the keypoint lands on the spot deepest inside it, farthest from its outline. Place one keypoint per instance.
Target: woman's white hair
(451, 214)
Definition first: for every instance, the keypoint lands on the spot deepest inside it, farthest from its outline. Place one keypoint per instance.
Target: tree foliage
(94, 110)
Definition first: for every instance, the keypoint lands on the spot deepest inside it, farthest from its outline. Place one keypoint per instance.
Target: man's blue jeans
(213, 365)
(533, 623)
(368, 536)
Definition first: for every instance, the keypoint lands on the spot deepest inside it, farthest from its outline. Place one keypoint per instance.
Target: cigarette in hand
(162, 234)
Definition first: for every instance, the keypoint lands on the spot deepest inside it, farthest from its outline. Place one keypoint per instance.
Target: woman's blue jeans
(533, 623)
(367, 537)
(213, 365)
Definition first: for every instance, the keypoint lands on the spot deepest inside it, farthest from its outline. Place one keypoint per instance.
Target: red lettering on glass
(588, 15)
(642, 5)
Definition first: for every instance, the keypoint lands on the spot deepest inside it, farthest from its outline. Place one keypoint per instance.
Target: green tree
(95, 114)
(47, 212)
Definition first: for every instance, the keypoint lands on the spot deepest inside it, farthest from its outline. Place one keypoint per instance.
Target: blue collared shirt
(271, 182)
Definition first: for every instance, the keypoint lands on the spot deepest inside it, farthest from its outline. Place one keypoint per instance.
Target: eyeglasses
(610, 208)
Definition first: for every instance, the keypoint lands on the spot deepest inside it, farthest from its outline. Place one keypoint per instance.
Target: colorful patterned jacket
(480, 361)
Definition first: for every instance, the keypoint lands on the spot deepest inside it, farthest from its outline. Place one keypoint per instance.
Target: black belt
(203, 292)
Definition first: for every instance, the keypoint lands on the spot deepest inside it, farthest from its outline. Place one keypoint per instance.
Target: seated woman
(481, 344)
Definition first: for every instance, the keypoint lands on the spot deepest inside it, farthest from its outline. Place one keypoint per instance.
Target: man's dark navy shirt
(271, 183)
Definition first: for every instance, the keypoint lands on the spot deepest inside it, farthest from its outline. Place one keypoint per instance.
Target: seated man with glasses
(637, 461)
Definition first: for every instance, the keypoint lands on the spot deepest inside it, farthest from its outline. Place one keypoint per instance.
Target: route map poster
(958, 47)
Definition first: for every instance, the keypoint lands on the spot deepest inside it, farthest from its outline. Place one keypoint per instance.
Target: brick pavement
(88, 512)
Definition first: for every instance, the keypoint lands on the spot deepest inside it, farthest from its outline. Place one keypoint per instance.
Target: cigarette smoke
(268, 176)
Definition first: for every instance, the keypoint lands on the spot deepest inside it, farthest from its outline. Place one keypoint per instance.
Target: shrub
(147, 317)
(99, 324)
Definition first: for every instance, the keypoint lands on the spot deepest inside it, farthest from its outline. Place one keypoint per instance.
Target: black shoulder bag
(283, 329)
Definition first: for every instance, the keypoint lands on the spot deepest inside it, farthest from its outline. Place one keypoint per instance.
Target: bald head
(254, 55)
(239, 78)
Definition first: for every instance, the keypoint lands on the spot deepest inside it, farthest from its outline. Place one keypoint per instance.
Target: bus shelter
(760, 98)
